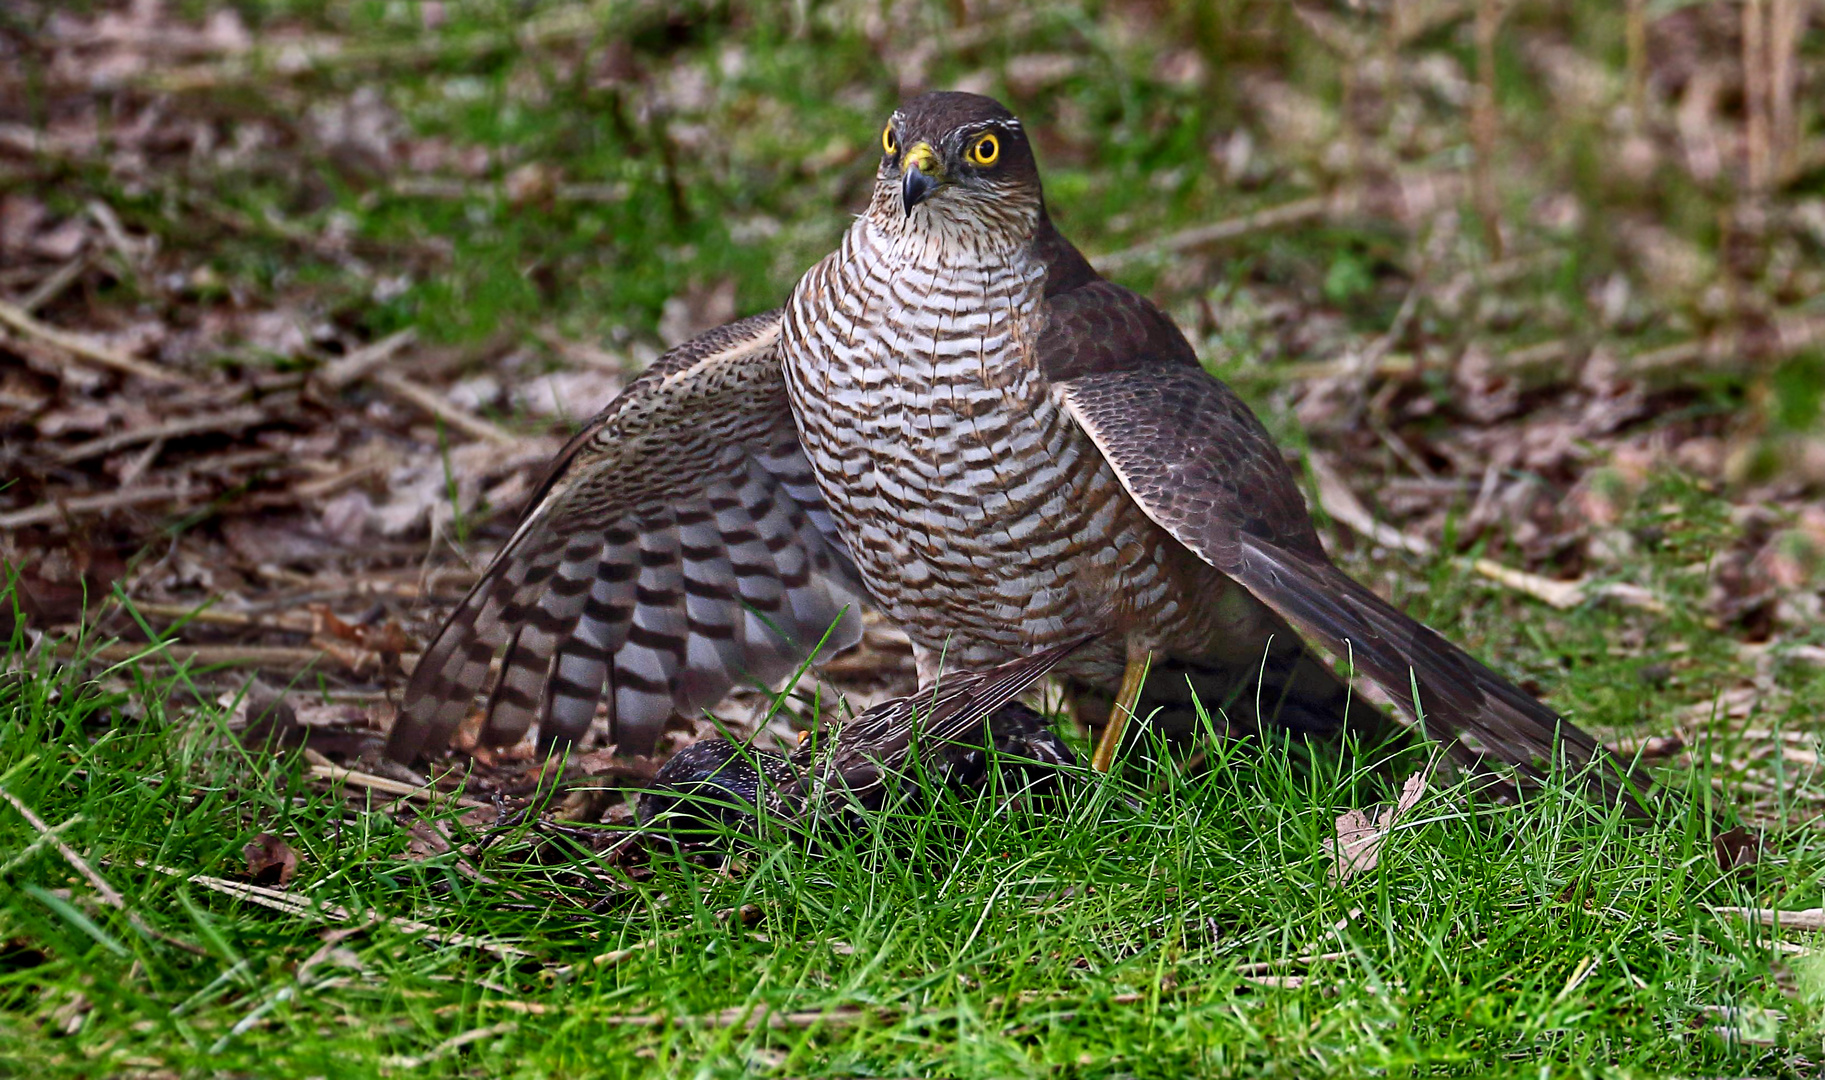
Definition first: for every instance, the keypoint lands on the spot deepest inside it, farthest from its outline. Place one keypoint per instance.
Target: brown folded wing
(1200, 464)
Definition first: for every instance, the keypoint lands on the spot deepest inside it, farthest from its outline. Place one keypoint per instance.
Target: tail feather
(1480, 714)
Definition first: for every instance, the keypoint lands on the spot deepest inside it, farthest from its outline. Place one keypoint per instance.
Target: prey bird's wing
(866, 751)
(1200, 464)
(677, 546)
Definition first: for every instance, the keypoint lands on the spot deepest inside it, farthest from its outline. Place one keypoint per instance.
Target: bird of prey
(955, 419)
(855, 766)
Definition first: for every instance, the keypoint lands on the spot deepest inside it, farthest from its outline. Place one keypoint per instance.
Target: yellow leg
(1127, 700)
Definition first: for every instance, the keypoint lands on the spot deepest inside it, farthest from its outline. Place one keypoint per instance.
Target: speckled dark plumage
(858, 765)
(719, 783)
(943, 724)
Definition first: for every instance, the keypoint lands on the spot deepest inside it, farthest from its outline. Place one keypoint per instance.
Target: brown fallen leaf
(358, 647)
(1356, 848)
(1738, 850)
(270, 860)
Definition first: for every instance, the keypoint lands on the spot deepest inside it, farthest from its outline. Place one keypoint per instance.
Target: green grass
(1100, 939)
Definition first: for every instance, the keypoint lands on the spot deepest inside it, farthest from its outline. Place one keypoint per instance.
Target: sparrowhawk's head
(956, 161)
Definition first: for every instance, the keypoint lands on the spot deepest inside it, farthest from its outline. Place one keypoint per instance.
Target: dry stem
(82, 347)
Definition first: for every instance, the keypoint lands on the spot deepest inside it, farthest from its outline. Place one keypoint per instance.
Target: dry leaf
(1737, 850)
(1357, 847)
(270, 860)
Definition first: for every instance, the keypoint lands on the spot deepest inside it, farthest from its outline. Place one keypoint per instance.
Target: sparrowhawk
(955, 419)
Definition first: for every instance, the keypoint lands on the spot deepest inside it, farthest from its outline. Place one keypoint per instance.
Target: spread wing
(678, 546)
(1202, 466)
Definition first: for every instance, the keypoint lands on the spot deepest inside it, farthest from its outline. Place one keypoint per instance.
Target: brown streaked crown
(950, 121)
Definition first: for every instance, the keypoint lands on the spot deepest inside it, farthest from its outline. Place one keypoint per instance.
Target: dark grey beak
(915, 185)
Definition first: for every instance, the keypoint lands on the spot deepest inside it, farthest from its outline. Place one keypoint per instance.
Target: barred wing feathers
(677, 546)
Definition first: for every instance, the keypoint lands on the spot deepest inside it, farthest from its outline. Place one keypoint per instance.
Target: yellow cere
(986, 150)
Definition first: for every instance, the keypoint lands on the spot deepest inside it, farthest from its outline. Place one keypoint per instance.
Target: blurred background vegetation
(1645, 176)
(1534, 279)
(1538, 279)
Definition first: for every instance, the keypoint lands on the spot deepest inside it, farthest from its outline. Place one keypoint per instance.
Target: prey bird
(954, 419)
(946, 729)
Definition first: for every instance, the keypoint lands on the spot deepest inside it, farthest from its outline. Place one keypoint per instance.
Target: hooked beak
(919, 176)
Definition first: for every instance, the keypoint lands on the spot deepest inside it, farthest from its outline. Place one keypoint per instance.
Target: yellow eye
(986, 151)
(888, 142)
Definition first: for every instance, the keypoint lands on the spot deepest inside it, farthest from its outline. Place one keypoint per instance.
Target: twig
(106, 891)
(288, 903)
(1755, 95)
(108, 895)
(132, 252)
(1297, 212)
(232, 420)
(24, 141)
(272, 657)
(295, 624)
(1395, 366)
(1265, 966)
(294, 904)
(44, 838)
(1635, 34)
(386, 786)
(84, 504)
(336, 481)
(428, 187)
(136, 466)
(1338, 501)
(452, 1044)
(434, 403)
(456, 579)
(346, 369)
(1483, 122)
(1786, 23)
(757, 1016)
(1801, 919)
(1555, 593)
(365, 363)
(84, 348)
(584, 354)
(1784, 337)
(52, 287)
(530, 1008)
